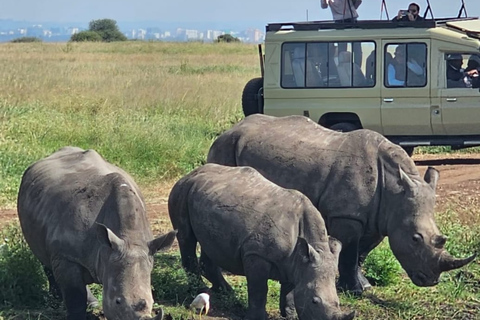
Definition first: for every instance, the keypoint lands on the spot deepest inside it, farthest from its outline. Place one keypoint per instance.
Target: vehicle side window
(405, 65)
(459, 77)
(328, 64)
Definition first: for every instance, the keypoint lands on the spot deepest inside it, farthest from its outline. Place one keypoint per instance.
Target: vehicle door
(460, 96)
(405, 103)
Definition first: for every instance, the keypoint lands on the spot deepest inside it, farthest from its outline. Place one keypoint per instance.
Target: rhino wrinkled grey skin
(365, 187)
(249, 226)
(85, 220)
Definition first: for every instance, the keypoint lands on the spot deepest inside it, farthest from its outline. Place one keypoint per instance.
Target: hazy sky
(216, 11)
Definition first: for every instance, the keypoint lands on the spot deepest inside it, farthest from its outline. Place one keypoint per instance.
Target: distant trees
(105, 30)
(26, 39)
(227, 38)
(91, 36)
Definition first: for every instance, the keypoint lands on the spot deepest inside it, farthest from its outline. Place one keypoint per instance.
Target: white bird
(201, 302)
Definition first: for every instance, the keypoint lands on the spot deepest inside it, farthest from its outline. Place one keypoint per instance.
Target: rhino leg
(348, 232)
(53, 288)
(287, 303)
(257, 272)
(214, 274)
(92, 302)
(188, 246)
(367, 244)
(68, 275)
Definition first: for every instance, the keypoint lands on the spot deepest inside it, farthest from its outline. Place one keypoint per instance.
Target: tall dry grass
(151, 107)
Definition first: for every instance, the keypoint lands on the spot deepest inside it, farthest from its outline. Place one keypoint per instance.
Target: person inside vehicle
(412, 14)
(457, 77)
(398, 66)
(474, 64)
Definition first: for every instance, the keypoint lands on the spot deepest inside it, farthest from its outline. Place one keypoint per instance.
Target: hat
(454, 56)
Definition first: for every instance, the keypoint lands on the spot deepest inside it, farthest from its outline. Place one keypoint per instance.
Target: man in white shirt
(342, 10)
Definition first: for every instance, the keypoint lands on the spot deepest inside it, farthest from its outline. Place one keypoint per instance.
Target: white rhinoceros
(249, 226)
(85, 220)
(365, 187)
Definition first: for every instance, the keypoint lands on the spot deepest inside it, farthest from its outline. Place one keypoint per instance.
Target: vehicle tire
(252, 97)
(343, 127)
(409, 150)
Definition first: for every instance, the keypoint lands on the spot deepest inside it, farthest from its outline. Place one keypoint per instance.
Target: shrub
(90, 36)
(381, 267)
(22, 280)
(26, 39)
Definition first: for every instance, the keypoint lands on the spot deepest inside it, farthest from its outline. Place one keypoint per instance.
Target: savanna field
(154, 109)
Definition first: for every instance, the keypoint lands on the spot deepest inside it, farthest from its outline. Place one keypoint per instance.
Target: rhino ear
(105, 235)
(162, 243)
(431, 177)
(335, 247)
(305, 251)
(410, 186)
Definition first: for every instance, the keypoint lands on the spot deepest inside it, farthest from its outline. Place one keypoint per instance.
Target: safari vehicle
(390, 77)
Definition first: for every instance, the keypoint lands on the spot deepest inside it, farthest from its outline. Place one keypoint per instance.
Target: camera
(404, 12)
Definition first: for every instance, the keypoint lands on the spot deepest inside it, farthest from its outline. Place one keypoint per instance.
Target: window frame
(386, 64)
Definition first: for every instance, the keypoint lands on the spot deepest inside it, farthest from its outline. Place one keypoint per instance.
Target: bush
(381, 267)
(90, 36)
(26, 39)
(107, 29)
(227, 38)
(22, 280)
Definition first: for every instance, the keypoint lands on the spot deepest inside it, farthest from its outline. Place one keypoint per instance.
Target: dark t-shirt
(405, 18)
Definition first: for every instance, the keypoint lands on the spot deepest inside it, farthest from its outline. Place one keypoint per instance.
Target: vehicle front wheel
(343, 127)
(252, 97)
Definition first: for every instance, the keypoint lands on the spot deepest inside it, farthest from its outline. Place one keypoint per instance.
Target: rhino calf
(249, 226)
(85, 220)
(366, 188)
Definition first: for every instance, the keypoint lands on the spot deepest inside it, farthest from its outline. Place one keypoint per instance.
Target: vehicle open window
(405, 65)
(462, 70)
(328, 65)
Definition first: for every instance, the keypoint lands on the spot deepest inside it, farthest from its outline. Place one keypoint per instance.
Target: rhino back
(249, 214)
(62, 195)
(297, 153)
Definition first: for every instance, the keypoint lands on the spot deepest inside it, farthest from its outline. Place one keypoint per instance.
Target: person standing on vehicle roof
(345, 11)
(342, 10)
(412, 14)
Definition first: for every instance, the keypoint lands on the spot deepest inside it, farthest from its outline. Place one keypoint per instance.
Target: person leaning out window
(413, 14)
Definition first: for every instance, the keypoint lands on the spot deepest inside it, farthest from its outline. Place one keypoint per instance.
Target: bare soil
(458, 189)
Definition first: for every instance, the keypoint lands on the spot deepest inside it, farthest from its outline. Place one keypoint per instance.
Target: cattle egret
(201, 302)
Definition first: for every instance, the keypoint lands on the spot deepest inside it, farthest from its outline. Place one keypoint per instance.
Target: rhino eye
(316, 300)
(417, 237)
(118, 300)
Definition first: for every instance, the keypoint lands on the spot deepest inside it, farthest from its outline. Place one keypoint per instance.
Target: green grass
(395, 297)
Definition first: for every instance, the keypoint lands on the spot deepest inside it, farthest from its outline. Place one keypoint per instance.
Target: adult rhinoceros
(250, 226)
(85, 220)
(365, 187)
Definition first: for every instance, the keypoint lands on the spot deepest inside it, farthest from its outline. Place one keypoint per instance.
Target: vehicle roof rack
(360, 24)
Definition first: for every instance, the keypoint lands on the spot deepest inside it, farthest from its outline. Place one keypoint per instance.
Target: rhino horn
(447, 262)
(345, 316)
(159, 316)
